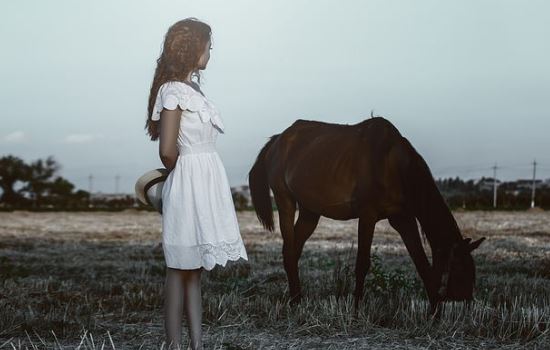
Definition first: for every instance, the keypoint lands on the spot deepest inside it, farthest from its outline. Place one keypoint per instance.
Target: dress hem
(205, 255)
(221, 263)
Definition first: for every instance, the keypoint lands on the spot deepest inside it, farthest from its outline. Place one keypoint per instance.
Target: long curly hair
(183, 46)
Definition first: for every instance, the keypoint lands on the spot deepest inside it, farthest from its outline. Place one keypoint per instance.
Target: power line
(90, 183)
(466, 170)
(117, 178)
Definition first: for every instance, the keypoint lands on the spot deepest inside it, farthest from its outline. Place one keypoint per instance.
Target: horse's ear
(476, 244)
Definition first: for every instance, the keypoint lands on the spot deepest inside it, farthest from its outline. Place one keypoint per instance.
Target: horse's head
(458, 281)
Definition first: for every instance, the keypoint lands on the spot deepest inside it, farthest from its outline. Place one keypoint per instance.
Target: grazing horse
(367, 171)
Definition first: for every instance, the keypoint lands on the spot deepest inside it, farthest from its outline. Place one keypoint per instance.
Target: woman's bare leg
(173, 307)
(193, 306)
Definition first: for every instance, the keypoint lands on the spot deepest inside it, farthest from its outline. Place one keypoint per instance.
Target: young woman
(199, 223)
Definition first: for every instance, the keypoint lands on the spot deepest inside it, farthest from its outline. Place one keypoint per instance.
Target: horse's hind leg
(286, 206)
(304, 227)
(408, 230)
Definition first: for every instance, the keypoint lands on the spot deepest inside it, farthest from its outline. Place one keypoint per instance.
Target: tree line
(476, 195)
(41, 188)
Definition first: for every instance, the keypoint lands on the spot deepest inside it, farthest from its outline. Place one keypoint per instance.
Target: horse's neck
(437, 221)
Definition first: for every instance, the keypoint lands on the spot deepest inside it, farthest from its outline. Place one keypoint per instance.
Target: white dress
(199, 223)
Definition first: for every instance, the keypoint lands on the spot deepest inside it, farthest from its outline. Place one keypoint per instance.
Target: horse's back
(375, 124)
(331, 168)
(340, 137)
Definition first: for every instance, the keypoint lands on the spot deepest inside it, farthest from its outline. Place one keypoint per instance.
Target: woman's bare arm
(169, 129)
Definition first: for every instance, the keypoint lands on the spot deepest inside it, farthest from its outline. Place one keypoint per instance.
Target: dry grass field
(95, 281)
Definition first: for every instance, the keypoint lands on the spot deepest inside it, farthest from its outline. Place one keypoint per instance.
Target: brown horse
(366, 171)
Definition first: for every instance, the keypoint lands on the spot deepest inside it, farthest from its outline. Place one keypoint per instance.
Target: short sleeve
(174, 93)
(168, 97)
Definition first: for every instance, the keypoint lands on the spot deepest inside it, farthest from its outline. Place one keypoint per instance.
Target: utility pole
(534, 184)
(116, 183)
(495, 185)
(90, 183)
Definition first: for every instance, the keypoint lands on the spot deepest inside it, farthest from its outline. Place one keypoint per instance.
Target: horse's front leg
(407, 228)
(362, 264)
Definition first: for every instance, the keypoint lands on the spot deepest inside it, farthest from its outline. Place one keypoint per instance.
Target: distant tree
(12, 169)
(81, 195)
(239, 201)
(60, 191)
(61, 187)
(39, 178)
(79, 200)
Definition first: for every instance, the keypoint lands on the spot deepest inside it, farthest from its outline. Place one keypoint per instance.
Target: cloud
(81, 138)
(15, 137)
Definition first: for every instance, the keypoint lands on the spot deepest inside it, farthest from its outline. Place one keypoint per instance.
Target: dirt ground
(95, 281)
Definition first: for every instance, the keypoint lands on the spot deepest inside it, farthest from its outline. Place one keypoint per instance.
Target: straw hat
(149, 188)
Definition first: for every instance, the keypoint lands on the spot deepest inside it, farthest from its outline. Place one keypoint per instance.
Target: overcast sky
(467, 82)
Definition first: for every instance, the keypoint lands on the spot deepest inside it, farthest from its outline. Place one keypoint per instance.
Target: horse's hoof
(295, 300)
(355, 310)
(434, 313)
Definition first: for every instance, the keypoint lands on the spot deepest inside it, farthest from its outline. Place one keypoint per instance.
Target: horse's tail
(259, 188)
